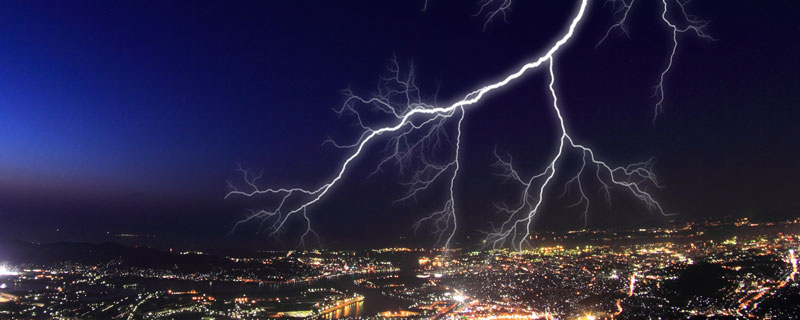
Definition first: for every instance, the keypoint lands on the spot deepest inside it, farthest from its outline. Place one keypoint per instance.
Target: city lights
(399, 160)
(6, 270)
(632, 274)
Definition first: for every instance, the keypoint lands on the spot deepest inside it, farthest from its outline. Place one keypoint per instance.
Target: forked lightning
(419, 133)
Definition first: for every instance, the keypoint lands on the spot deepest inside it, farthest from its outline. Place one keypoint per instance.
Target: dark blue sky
(130, 116)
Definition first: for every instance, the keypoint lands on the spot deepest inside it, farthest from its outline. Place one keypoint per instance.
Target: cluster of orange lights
(398, 314)
(243, 300)
(203, 298)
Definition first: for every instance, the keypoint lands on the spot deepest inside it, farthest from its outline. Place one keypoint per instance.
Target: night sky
(129, 117)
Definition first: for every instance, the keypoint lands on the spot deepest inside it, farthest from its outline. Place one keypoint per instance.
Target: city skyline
(726, 268)
(399, 160)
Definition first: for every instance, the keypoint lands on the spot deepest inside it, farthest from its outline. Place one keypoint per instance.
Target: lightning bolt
(634, 178)
(623, 7)
(693, 24)
(690, 23)
(493, 9)
(417, 132)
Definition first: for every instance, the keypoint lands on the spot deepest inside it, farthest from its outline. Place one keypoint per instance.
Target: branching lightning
(622, 9)
(692, 24)
(418, 132)
(635, 177)
(493, 9)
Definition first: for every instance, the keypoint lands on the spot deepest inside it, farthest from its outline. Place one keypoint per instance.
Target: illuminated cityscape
(710, 268)
(399, 160)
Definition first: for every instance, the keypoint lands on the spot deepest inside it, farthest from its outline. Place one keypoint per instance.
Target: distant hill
(17, 252)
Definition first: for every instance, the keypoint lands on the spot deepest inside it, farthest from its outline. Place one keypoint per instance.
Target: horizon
(134, 125)
(399, 160)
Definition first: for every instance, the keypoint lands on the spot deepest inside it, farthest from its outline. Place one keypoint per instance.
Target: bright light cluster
(6, 270)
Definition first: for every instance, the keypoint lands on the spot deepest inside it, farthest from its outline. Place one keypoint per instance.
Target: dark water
(374, 301)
